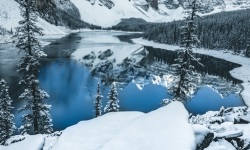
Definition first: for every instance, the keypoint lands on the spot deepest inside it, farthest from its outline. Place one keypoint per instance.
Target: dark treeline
(133, 24)
(225, 30)
(211, 65)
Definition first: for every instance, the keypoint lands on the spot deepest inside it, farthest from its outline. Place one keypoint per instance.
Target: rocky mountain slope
(61, 13)
(10, 16)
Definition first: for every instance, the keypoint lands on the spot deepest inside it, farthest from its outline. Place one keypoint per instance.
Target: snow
(34, 142)
(164, 128)
(50, 140)
(93, 134)
(159, 129)
(200, 133)
(246, 130)
(5, 39)
(242, 73)
(226, 130)
(220, 145)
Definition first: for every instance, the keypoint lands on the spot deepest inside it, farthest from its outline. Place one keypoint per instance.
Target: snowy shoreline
(241, 73)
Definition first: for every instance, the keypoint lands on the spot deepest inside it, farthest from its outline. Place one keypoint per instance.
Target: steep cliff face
(46, 9)
(60, 12)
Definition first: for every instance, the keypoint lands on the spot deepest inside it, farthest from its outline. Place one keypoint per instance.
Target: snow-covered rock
(246, 130)
(34, 142)
(226, 130)
(221, 145)
(203, 136)
(95, 133)
(161, 129)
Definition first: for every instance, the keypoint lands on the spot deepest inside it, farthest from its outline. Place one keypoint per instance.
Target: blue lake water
(72, 88)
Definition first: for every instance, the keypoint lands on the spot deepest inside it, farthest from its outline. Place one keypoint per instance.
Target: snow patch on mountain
(96, 13)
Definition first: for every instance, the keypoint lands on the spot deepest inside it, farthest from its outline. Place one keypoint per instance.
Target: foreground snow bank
(93, 134)
(241, 73)
(165, 128)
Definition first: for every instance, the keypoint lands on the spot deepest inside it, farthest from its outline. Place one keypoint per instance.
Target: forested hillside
(225, 30)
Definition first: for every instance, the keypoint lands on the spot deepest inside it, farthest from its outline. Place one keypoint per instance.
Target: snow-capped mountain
(106, 13)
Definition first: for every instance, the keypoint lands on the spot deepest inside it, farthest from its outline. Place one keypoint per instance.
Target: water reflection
(72, 89)
(206, 99)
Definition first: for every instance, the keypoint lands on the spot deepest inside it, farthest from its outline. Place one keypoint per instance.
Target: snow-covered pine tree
(247, 53)
(36, 119)
(184, 84)
(112, 105)
(7, 126)
(98, 102)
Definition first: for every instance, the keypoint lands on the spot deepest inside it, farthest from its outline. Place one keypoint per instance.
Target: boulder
(105, 54)
(203, 136)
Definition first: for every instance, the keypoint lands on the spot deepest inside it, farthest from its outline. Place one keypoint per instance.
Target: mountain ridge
(107, 13)
(75, 14)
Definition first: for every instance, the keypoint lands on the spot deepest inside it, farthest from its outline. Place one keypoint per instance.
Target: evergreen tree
(247, 54)
(184, 85)
(220, 31)
(112, 105)
(98, 102)
(7, 126)
(36, 119)
(11, 31)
